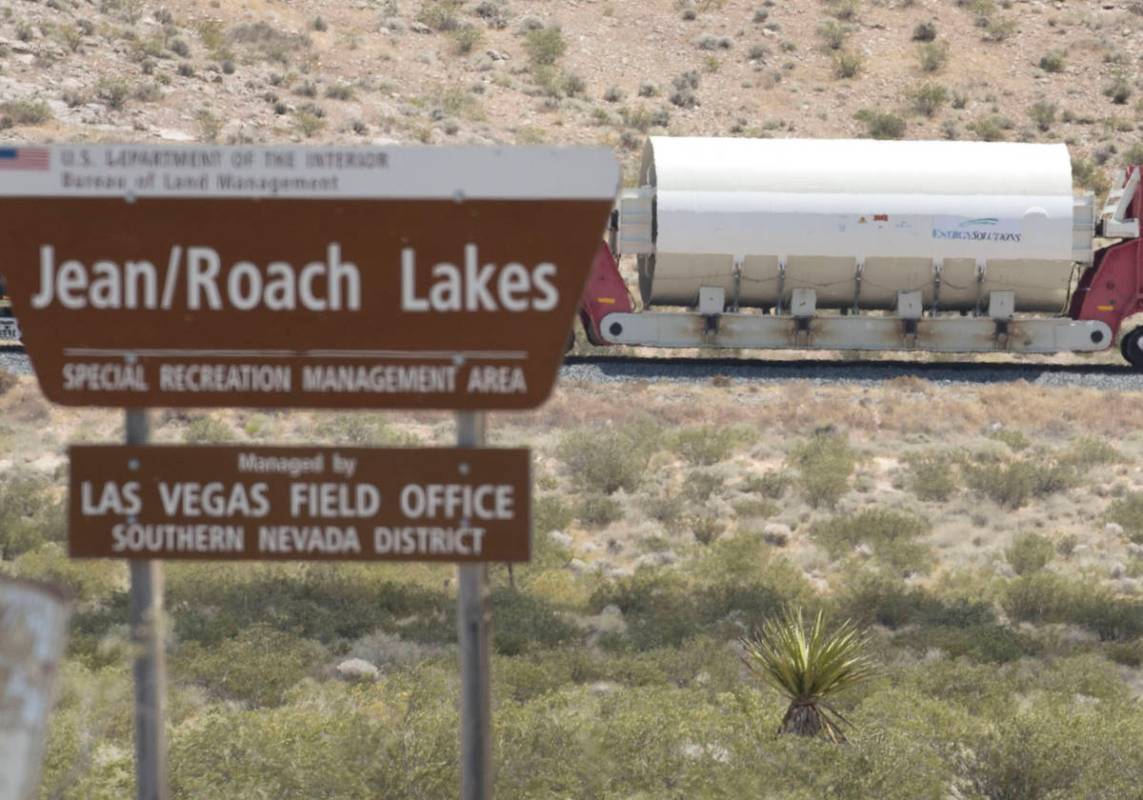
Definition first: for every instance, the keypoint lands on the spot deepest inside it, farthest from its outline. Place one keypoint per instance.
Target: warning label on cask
(300, 503)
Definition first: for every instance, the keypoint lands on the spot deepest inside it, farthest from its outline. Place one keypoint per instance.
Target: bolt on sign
(33, 625)
(300, 503)
(443, 278)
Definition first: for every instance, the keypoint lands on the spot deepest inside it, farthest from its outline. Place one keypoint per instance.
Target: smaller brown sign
(300, 503)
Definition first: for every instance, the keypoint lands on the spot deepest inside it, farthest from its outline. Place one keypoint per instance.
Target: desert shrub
(113, 91)
(881, 124)
(1086, 173)
(989, 129)
(657, 605)
(925, 32)
(1066, 544)
(1014, 439)
(605, 460)
(361, 429)
(928, 98)
(755, 507)
(667, 508)
(999, 29)
(833, 34)
(706, 528)
(710, 444)
(32, 512)
(88, 579)
(1127, 511)
(257, 667)
(843, 9)
(1052, 61)
(24, 112)
(889, 533)
(524, 622)
(545, 46)
(933, 56)
(467, 38)
(1090, 451)
(598, 510)
(1029, 552)
(931, 476)
(208, 430)
(773, 484)
(550, 513)
(1013, 484)
(847, 63)
(440, 15)
(872, 598)
(1061, 749)
(988, 642)
(824, 463)
(701, 484)
(1043, 113)
(1038, 597)
(1112, 619)
(1118, 91)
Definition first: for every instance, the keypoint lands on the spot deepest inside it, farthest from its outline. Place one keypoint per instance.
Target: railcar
(943, 246)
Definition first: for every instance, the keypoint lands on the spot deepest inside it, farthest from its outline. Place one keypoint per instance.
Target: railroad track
(628, 368)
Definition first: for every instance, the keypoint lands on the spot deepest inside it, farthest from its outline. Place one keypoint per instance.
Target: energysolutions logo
(979, 229)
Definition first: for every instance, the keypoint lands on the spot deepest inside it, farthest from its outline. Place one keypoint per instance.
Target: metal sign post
(150, 661)
(474, 630)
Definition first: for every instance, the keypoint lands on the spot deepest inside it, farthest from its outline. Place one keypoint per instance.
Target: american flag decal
(25, 158)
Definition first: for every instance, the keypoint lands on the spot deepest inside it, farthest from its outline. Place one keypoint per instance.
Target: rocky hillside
(583, 71)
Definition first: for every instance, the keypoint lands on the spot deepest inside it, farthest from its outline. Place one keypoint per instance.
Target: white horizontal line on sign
(143, 352)
(425, 173)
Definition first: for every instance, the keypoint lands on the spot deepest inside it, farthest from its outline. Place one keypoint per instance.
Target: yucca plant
(809, 665)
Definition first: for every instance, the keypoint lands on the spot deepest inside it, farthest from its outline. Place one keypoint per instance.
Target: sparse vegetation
(440, 15)
(545, 46)
(1053, 62)
(1043, 113)
(846, 64)
(882, 124)
(824, 463)
(925, 32)
(24, 112)
(928, 98)
(933, 56)
(1029, 552)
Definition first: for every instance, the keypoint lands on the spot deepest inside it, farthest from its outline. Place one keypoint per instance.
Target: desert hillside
(606, 72)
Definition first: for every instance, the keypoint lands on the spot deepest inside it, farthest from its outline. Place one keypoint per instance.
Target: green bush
(928, 98)
(1043, 113)
(872, 598)
(700, 485)
(706, 528)
(545, 46)
(1127, 511)
(839, 535)
(440, 15)
(361, 429)
(208, 430)
(708, 444)
(931, 476)
(257, 668)
(824, 463)
(1013, 484)
(606, 460)
(598, 510)
(1053, 61)
(1029, 552)
(32, 512)
(881, 124)
(524, 622)
(1038, 597)
(990, 643)
(933, 56)
(847, 64)
(24, 112)
(1090, 451)
(89, 580)
(833, 34)
(773, 485)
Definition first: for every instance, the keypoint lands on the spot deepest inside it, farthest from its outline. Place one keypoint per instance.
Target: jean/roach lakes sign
(297, 277)
(300, 503)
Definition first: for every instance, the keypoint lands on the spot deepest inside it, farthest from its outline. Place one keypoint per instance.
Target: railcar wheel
(1132, 348)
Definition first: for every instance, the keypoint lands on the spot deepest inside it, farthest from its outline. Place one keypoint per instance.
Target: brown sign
(298, 277)
(300, 503)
